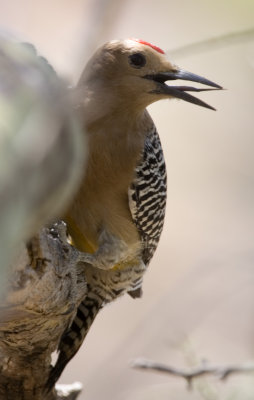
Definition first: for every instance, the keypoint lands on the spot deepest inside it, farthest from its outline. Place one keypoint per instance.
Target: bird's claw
(97, 260)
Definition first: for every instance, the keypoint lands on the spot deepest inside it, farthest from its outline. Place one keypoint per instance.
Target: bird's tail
(73, 338)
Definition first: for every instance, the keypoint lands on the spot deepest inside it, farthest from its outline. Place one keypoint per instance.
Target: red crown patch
(149, 44)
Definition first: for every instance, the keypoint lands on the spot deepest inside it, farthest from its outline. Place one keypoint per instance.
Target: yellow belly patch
(78, 240)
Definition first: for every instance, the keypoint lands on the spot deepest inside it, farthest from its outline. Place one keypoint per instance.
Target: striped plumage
(117, 216)
(148, 193)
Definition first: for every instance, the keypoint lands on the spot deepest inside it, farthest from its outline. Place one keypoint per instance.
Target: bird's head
(134, 73)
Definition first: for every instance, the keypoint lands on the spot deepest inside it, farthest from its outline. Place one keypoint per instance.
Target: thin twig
(213, 43)
(189, 374)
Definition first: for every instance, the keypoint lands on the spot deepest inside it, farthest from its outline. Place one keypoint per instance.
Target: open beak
(180, 92)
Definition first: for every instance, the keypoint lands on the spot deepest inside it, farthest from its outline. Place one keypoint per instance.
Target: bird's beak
(180, 91)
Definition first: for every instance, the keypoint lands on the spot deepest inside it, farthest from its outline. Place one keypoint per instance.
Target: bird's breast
(102, 201)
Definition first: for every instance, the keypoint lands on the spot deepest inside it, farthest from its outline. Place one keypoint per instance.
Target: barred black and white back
(148, 194)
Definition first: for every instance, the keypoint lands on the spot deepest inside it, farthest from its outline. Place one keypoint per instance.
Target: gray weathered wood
(45, 286)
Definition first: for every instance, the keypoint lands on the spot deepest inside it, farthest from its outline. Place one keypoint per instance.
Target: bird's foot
(111, 251)
(96, 260)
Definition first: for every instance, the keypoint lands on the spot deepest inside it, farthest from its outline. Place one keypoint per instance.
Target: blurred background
(198, 300)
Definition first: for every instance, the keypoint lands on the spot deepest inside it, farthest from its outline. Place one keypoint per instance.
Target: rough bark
(45, 286)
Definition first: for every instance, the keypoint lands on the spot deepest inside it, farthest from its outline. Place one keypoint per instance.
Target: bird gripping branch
(116, 218)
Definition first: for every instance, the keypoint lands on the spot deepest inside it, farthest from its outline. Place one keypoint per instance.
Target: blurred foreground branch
(192, 373)
(41, 146)
(42, 154)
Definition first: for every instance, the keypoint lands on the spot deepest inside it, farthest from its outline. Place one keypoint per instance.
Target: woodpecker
(116, 218)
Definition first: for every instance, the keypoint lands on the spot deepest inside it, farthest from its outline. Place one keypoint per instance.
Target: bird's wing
(148, 193)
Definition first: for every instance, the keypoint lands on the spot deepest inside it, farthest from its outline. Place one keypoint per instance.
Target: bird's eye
(137, 60)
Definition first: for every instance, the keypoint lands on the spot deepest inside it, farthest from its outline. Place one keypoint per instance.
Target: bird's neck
(116, 131)
(102, 105)
(120, 135)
